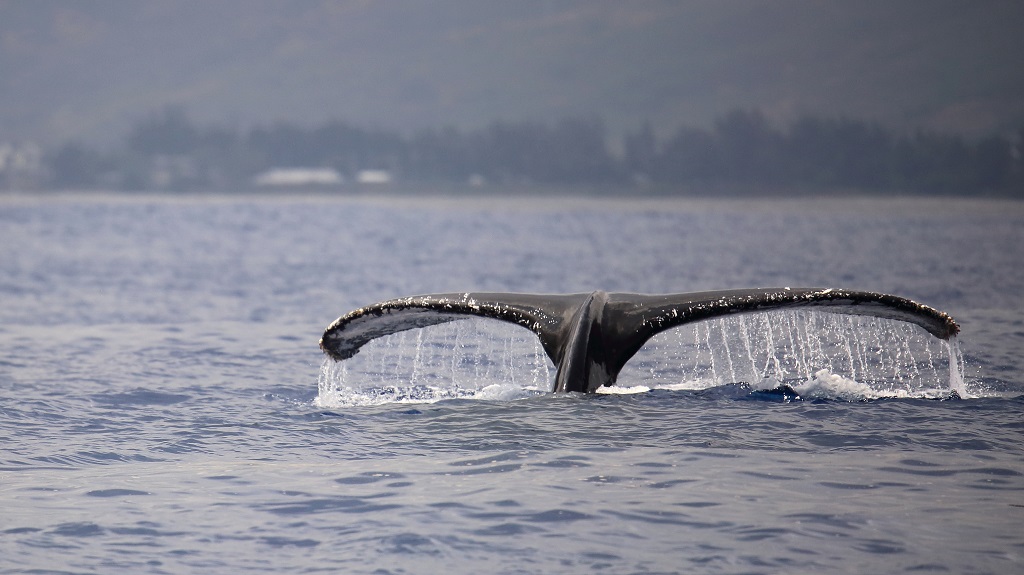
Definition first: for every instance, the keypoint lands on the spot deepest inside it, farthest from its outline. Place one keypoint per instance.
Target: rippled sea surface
(164, 407)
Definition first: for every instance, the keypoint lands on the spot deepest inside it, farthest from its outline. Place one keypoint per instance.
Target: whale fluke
(591, 336)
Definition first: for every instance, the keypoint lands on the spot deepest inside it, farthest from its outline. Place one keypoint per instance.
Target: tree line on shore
(741, 150)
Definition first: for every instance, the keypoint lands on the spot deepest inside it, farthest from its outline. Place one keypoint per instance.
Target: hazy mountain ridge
(88, 70)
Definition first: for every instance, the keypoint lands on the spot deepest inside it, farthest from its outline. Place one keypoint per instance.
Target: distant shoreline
(496, 191)
(540, 199)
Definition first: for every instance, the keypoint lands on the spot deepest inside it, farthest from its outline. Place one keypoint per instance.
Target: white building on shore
(298, 177)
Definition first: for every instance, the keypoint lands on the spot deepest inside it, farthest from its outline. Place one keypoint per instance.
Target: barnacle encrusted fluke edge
(591, 336)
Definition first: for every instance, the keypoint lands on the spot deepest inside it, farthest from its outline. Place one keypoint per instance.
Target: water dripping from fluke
(471, 359)
(816, 355)
(830, 344)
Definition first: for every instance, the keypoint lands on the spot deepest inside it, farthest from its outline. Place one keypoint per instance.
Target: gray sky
(88, 69)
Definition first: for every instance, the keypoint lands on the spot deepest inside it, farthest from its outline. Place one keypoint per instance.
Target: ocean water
(164, 407)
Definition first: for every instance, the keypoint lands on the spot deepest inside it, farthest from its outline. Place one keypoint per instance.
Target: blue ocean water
(164, 407)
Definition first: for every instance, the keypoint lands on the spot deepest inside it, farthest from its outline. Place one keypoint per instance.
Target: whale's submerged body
(591, 336)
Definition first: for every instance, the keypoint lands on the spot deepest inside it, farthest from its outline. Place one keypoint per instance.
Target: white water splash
(826, 385)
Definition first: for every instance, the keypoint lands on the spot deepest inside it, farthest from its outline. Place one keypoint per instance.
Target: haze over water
(163, 404)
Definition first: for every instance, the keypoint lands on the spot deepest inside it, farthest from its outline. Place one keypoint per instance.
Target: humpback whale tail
(591, 336)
